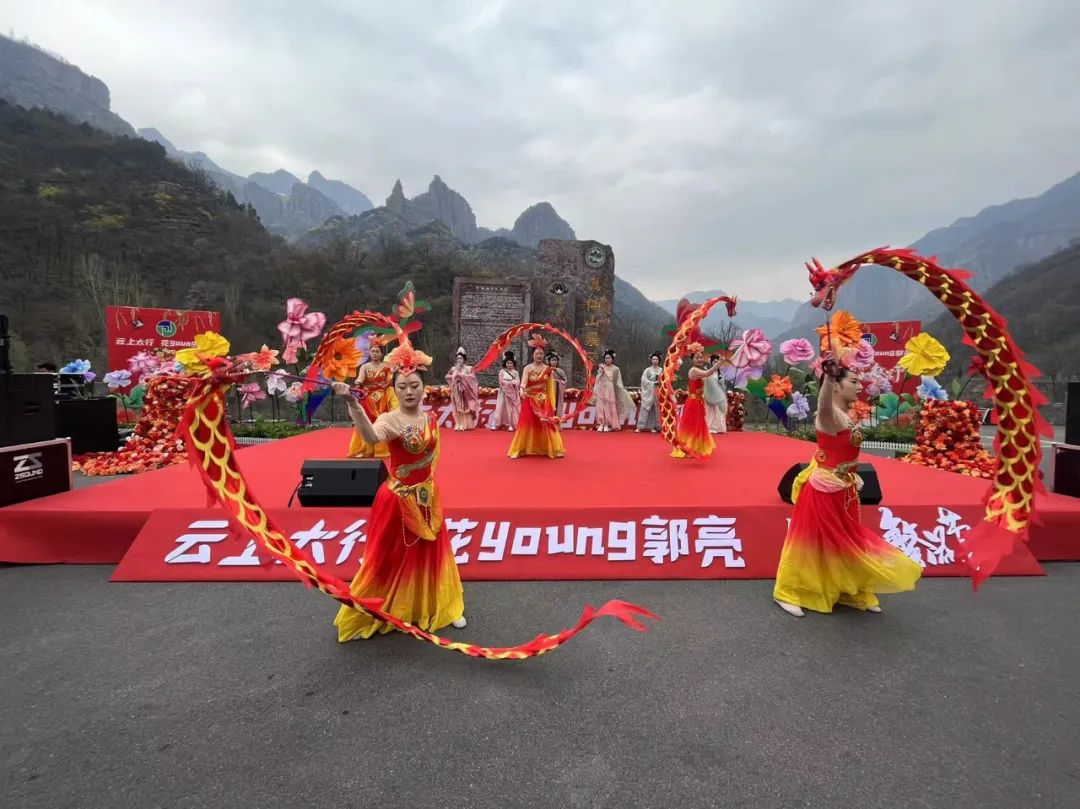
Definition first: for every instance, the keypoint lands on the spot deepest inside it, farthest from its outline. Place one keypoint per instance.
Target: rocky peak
(395, 203)
(351, 200)
(540, 221)
(280, 181)
(149, 133)
(449, 207)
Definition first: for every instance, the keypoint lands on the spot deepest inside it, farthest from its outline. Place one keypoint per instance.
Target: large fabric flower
(342, 360)
(751, 350)
(877, 382)
(860, 411)
(265, 358)
(275, 384)
(799, 407)
(250, 392)
(930, 389)
(143, 363)
(76, 368)
(796, 351)
(843, 331)
(118, 379)
(864, 355)
(298, 327)
(294, 393)
(208, 344)
(779, 388)
(924, 356)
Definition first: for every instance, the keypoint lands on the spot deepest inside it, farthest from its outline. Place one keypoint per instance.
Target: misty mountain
(280, 181)
(349, 199)
(772, 317)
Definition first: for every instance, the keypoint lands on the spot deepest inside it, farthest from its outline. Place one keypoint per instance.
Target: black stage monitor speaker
(1072, 414)
(27, 409)
(1067, 470)
(869, 496)
(340, 483)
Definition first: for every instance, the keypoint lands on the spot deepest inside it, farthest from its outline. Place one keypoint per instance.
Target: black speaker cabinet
(340, 483)
(1072, 414)
(1067, 470)
(869, 496)
(27, 409)
(89, 423)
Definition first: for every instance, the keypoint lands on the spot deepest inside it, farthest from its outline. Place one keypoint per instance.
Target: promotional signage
(889, 338)
(131, 329)
(523, 544)
(28, 471)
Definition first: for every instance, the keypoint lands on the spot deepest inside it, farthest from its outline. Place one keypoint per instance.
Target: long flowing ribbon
(204, 428)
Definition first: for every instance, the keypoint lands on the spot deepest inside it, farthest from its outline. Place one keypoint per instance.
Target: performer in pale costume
(613, 402)
(408, 560)
(648, 410)
(716, 402)
(508, 404)
(829, 556)
(464, 393)
(374, 378)
(693, 429)
(560, 383)
(538, 429)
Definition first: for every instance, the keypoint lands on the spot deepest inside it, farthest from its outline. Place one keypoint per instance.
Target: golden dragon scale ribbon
(514, 333)
(1010, 499)
(204, 428)
(665, 399)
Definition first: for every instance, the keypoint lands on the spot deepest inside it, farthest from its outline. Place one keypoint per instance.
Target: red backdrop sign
(888, 339)
(131, 329)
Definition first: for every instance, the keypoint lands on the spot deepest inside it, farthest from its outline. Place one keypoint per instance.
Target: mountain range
(772, 317)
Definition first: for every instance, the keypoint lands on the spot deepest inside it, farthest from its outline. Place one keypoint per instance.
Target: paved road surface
(238, 696)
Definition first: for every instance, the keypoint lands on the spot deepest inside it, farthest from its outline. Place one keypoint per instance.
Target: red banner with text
(889, 338)
(544, 544)
(131, 329)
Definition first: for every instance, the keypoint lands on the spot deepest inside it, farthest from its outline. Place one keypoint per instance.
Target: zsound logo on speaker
(28, 466)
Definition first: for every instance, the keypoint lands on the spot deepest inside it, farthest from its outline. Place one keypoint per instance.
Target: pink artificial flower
(250, 392)
(143, 363)
(864, 355)
(796, 351)
(751, 351)
(877, 381)
(298, 327)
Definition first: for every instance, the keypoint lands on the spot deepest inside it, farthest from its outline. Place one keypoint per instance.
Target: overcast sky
(712, 144)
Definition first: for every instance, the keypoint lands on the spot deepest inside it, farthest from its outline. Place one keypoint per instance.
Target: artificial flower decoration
(207, 345)
(796, 351)
(799, 407)
(298, 327)
(924, 356)
(877, 382)
(294, 393)
(751, 350)
(143, 363)
(860, 411)
(265, 358)
(275, 384)
(864, 355)
(118, 379)
(250, 392)
(930, 389)
(342, 360)
(779, 387)
(843, 331)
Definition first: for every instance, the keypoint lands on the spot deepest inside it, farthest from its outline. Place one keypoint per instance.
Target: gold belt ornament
(407, 469)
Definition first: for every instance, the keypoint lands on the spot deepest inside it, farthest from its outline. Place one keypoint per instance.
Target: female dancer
(560, 383)
(693, 429)
(375, 378)
(829, 557)
(464, 393)
(508, 405)
(648, 414)
(537, 431)
(715, 401)
(613, 403)
(408, 562)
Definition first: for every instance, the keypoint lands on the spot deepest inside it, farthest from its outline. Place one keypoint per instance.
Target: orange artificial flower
(342, 360)
(265, 358)
(843, 330)
(780, 387)
(860, 411)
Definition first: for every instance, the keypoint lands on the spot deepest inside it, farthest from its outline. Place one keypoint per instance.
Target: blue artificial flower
(799, 407)
(118, 379)
(76, 368)
(930, 389)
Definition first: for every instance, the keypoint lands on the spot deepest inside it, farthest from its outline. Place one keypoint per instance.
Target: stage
(617, 507)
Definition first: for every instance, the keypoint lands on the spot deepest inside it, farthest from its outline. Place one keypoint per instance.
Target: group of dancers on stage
(829, 557)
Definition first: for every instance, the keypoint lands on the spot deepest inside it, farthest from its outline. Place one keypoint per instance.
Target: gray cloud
(711, 143)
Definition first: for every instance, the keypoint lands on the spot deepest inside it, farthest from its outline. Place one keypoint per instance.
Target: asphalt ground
(232, 695)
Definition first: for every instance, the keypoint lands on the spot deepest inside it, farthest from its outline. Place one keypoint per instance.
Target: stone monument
(484, 309)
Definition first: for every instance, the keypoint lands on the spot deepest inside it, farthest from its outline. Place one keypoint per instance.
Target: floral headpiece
(407, 360)
(538, 341)
(380, 340)
(694, 348)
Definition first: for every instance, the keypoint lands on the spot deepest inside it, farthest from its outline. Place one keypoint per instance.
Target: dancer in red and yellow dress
(693, 430)
(375, 378)
(538, 428)
(829, 556)
(408, 561)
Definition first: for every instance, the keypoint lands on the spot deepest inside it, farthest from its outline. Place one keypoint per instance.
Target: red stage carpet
(616, 507)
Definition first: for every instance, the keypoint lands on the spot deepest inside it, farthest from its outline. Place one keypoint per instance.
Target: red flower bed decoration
(736, 411)
(154, 444)
(948, 438)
